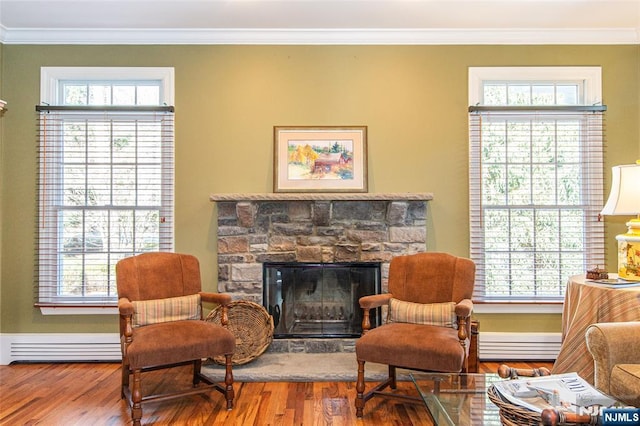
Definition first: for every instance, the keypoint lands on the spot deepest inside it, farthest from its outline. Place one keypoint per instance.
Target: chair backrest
(158, 275)
(431, 278)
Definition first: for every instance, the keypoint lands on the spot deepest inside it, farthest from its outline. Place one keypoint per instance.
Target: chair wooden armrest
(374, 300)
(125, 307)
(371, 302)
(219, 298)
(464, 308)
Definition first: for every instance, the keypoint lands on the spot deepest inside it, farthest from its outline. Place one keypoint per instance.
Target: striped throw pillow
(154, 311)
(440, 314)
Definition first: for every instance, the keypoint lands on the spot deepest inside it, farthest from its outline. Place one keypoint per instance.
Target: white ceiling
(320, 21)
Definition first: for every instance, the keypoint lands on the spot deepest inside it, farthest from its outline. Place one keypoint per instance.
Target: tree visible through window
(106, 184)
(535, 185)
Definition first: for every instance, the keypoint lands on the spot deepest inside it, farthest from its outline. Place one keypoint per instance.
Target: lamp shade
(624, 198)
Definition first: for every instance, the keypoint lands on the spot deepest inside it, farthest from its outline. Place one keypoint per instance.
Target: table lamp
(624, 199)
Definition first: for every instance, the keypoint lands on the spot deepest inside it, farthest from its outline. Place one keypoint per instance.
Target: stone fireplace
(312, 228)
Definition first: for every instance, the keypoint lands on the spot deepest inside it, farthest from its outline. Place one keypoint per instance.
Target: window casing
(535, 180)
(105, 178)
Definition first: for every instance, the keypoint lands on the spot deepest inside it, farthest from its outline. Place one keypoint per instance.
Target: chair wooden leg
(360, 390)
(392, 377)
(125, 378)
(136, 398)
(197, 366)
(362, 397)
(228, 381)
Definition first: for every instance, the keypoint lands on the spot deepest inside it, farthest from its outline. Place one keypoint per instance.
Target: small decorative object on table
(597, 274)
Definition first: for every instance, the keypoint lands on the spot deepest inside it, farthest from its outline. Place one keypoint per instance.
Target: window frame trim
(591, 78)
(50, 79)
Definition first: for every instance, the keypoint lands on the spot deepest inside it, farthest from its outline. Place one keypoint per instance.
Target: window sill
(78, 310)
(518, 308)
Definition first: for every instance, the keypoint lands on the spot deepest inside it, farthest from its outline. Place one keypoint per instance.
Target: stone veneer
(313, 227)
(326, 228)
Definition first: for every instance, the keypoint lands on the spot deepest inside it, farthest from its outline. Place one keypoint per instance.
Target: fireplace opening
(319, 299)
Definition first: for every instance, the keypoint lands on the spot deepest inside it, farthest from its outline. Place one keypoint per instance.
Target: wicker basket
(253, 327)
(512, 415)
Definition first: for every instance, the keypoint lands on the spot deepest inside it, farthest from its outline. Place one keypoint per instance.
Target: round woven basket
(512, 415)
(251, 324)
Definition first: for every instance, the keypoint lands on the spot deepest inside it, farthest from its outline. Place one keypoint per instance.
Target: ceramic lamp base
(629, 252)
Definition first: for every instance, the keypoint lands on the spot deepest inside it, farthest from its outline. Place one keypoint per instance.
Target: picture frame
(320, 159)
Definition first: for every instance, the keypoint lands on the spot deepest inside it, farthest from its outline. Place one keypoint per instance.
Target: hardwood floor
(89, 394)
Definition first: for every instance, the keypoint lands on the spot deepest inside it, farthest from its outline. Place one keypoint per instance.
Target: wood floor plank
(84, 394)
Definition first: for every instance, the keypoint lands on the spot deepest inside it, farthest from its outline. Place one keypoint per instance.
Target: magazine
(564, 391)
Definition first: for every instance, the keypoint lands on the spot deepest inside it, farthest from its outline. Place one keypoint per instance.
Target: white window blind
(536, 189)
(106, 192)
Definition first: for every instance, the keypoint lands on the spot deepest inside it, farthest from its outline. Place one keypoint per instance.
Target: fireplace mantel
(312, 196)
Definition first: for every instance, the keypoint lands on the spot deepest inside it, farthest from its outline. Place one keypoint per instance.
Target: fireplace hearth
(318, 300)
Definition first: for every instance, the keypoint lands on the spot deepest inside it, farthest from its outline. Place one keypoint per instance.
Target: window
(105, 178)
(536, 189)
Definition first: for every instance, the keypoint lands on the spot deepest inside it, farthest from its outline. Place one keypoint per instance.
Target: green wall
(228, 98)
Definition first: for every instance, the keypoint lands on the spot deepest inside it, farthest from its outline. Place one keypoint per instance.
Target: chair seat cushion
(413, 346)
(178, 341)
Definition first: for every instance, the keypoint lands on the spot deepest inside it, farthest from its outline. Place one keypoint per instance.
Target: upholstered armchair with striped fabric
(428, 325)
(161, 325)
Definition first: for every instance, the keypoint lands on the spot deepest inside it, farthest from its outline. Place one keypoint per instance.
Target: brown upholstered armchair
(161, 325)
(428, 321)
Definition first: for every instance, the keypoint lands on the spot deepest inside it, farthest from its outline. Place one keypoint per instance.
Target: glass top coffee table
(458, 399)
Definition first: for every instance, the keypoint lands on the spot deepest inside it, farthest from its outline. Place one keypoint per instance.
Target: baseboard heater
(494, 346)
(51, 347)
(87, 347)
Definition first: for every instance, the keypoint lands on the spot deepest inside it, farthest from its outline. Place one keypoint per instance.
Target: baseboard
(519, 346)
(46, 347)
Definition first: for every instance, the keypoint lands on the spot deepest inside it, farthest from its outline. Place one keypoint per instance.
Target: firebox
(319, 299)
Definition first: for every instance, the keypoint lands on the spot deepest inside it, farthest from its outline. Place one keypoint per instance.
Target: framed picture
(320, 159)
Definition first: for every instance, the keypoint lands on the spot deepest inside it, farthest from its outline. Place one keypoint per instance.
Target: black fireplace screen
(319, 299)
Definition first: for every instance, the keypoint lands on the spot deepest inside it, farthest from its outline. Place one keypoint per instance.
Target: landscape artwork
(320, 159)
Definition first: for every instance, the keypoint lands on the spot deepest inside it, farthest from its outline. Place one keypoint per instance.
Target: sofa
(615, 347)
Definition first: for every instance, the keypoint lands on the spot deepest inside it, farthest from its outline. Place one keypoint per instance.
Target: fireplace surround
(318, 228)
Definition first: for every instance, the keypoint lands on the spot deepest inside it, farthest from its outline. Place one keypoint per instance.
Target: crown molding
(534, 36)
